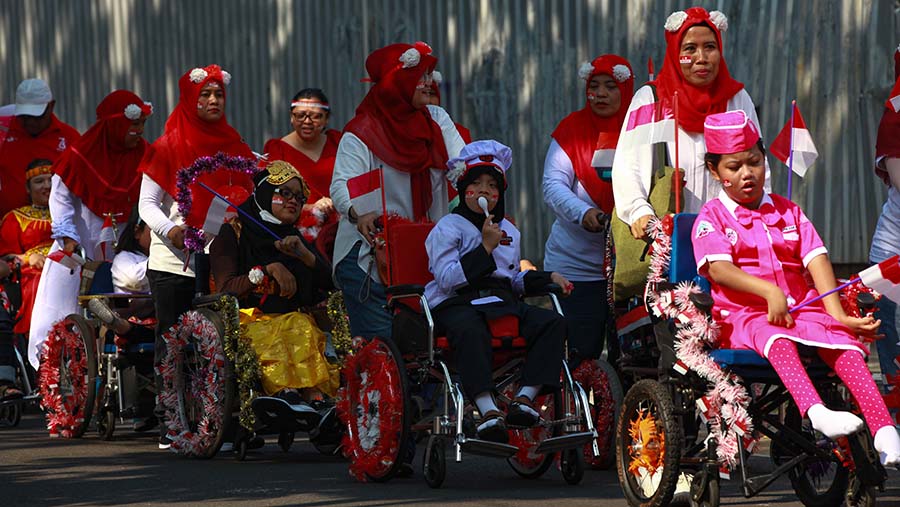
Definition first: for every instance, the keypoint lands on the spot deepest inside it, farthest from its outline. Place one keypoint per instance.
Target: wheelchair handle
(865, 301)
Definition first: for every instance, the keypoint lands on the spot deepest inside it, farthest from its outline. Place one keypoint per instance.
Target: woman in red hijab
(196, 128)
(695, 68)
(577, 188)
(94, 178)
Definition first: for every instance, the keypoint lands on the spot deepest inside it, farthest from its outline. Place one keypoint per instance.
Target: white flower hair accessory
(410, 58)
(459, 168)
(133, 111)
(226, 77)
(621, 73)
(675, 20)
(437, 77)
(720, 20)
(585, 71)
(198, 75)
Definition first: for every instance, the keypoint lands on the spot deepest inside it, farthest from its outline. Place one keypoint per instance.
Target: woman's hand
(778, 308)
(325, 204)
(639, 227)
(294, 246)
(284, 278)
(865, 326)
(36, 260)
(490, 234)
(563, 282)
(176, 237)
(69, 245)
(593, 220)
(365, 224)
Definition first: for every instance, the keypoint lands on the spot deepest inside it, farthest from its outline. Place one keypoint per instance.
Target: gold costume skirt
(291, 350)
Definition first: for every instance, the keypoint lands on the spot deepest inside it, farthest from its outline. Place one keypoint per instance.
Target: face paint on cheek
(591, 97)
(277, 200)
(495, 197)
(685, 59)
(726, 183)
(199, 105)
(470, 193)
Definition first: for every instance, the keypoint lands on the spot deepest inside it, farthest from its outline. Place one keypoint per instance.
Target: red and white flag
(69, 260)
(797, 140)
(365, 192)
(107, 237)
(884, 278)
(894, 99)
(648, 124)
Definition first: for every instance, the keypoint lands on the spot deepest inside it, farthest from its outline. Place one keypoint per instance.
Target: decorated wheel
(67, 378)
(373, 406)
(648, 445)
(526, 462)
(198, 388)
(604, 390)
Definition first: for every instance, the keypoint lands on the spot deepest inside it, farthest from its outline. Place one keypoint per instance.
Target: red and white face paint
(685, 59)
(277, 200)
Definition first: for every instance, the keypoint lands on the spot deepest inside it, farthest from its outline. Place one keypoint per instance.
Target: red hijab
(404, 137)
(188, 137)
(583, 132)
(99, 168)
(888, 142)
(694, 103)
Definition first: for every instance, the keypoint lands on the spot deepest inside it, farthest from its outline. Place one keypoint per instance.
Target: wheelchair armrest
(405, 290)
(703, 301)
(550, 288)
(865, 301)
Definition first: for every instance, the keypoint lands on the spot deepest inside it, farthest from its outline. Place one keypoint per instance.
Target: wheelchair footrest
(487, 448)
(570, 441)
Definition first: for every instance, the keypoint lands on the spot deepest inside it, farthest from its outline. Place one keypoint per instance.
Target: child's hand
(563, 282)
(490, 234)
(778, 308)
(865, 326)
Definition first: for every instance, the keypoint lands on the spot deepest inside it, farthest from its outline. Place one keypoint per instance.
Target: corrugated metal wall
(509, 65)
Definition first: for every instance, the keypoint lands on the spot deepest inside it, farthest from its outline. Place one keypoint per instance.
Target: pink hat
(729, 132)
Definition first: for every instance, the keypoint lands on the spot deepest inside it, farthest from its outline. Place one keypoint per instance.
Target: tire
(601, 381)
(647, 409)
(11, 414)
(571, 465)
(525, 462)
(195, 364)
(106, 424)
(710, 497)
(286, 440)
(69, 376)
(374, 402)
(434, 465)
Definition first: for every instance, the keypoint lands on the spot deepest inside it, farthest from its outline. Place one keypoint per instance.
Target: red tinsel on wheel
(592, 378)
(64, 410)
(371, 407)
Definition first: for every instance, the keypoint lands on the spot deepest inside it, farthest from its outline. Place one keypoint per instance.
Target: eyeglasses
(301, 117)
(290, 194)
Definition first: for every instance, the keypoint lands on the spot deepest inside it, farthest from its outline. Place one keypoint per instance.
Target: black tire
(711, 495)
(329, 449)
(434, 465)
(648, 400)
(571, 465)
(601, 380)
(286, 440)
(527, 466)
(62, 356)
(106, 424)
(11, 414)
(240, 449)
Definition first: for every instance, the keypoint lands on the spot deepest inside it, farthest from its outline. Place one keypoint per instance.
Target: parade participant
(694, 66)
(277, 277)
(582, 199)
(34, 133)
(886, 240)
(95, 178)
(394, 130)
(197, 127)
(25, 233)
(757, 248)
(475, 258)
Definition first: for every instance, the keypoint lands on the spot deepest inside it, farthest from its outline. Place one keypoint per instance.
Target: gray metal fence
(510, 69)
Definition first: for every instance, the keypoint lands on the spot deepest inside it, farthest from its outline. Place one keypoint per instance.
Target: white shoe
(887, 443)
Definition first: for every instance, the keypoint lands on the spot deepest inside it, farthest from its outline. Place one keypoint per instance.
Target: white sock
(887, 443)
(529, 392)
(833, 423)
(485, 403)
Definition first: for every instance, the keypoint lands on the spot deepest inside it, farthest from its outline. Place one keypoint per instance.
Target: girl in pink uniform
(756, 249)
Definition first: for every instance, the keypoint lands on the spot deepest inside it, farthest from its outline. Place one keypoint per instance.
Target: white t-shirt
(886, 240)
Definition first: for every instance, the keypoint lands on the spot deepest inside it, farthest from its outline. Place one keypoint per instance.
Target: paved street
(35, 470)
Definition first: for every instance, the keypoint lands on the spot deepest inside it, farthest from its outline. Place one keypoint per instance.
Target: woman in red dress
(25, 233)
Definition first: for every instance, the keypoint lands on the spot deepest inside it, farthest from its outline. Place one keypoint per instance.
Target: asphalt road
(35, 470)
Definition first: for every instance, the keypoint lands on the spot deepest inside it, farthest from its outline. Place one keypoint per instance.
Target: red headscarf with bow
(99, 168)
(887, 145)
(583, 132)
(694, 103)
(404, 137)
(188, 137)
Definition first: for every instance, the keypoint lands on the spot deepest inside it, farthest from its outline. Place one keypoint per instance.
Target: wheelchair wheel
(68, 376)
(375, 410)
(11, 414)
(286, 440)
(571, 464)
(710, 496)
(198, 390)
(106, 424)
(604, 388)
(648, 445)
(434, 466)
(526, 462)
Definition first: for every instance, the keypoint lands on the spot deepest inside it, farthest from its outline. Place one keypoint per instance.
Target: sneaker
(164, 441)
(99, 308)
(521, 413)
(493, 428)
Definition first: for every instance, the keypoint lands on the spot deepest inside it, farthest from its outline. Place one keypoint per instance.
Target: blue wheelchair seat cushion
(738, 357)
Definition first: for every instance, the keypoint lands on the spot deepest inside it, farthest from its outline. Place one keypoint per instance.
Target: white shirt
(571, 250)
(72, 219)
(632, 168)
(355, 158)
(886, 240)
(129, 272)
(159, 211)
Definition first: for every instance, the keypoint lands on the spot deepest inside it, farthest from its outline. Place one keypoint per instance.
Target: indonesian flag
(648, 124)
(365, 192)
(884, 278)
(799, 140)
(107, 237)
(69, 260)
(894, 101)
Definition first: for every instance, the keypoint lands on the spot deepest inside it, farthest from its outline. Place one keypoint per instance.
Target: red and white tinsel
(65, 408)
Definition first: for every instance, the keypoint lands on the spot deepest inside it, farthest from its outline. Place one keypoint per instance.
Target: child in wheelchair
(757, 249)
(474, 256)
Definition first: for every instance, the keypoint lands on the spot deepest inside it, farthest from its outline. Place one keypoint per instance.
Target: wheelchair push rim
(68, 376)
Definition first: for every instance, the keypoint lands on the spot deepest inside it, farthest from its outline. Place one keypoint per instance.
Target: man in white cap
(34, 133)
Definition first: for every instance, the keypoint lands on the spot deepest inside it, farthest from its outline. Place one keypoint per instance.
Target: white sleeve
(442, 246)
(557, 185)
(352, 159)
(743, 101)
(62, 210)
(632, 170)
(150, 207)
(452, 140)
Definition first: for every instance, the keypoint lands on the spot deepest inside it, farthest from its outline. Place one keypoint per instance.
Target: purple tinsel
(194, 238)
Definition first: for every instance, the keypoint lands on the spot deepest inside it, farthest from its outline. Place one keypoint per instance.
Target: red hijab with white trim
(887, 145)
(188, 137)
(694, 104)
(404, 137)
(583, 132)
(99, 168)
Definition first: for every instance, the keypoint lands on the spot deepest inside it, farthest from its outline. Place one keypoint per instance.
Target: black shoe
(144, 423)
(405, 470)
(493, 428)
(522, 414)
(165, 442)
(255, 443)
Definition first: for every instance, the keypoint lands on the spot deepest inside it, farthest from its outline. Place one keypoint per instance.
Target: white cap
(32, 97)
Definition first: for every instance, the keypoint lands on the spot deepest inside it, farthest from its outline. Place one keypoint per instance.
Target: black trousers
(467, 330)
(7, 350)
(587, 317)
(172, 296)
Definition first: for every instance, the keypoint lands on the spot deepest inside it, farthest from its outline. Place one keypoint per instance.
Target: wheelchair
(662, 428)
(11, 410)
(85, 375)
(401, 389)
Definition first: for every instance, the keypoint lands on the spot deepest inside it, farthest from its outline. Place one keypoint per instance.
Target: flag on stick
(107, 236)
(794, 145)
(365, 194)
(884, 278)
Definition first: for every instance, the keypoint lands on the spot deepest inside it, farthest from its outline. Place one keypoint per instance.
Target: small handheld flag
(794, 145)
(365, 192)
